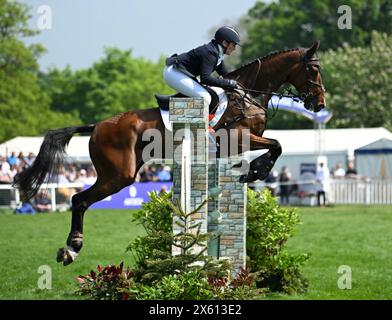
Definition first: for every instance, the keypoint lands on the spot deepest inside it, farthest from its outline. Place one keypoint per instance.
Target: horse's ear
(312, 50)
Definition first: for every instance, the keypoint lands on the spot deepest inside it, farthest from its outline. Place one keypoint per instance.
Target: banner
(132, 196)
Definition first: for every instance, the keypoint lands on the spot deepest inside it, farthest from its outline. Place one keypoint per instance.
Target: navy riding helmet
(227, 33)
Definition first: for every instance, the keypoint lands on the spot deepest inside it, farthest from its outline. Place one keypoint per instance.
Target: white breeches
(184, 84)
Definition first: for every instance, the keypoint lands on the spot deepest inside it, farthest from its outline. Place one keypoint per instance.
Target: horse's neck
(272, 72)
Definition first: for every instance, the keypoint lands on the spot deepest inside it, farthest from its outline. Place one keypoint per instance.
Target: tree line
(356, 68)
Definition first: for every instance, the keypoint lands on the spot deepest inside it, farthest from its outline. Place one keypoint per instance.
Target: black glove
(231, 85)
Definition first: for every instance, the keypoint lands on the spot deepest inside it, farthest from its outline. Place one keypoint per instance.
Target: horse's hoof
(66, 255)
(243, 178)
(246, 178)
(60, 255)
(68, 259)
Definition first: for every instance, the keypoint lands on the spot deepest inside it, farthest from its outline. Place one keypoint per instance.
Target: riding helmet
(227, 33)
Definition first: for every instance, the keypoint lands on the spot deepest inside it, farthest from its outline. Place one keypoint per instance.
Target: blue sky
(82, 28)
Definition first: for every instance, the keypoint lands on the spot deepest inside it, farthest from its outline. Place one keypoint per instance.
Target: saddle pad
(220, 110)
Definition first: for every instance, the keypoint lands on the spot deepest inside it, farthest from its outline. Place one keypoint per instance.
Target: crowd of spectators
(282, 184)
(155, 173)
(75, 173)
(84, 174)
(340, 173)
(13, 164)
(69, 173)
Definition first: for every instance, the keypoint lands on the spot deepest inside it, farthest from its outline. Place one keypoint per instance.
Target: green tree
(24, 108)
(116, 83)
(296, 23)
(359, 83)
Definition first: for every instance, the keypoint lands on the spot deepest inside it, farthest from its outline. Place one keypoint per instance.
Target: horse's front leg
(260, 167)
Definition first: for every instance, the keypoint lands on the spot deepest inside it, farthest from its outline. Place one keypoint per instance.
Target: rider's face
(229, 46)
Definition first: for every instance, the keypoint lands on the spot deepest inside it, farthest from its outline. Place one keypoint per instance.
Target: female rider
(181, 70)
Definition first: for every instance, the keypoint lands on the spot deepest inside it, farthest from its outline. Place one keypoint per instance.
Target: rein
(275, 109)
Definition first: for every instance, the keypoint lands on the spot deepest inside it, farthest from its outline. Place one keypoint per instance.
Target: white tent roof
(335, 140)
(77, 148)
(292, 141)
(384, 144)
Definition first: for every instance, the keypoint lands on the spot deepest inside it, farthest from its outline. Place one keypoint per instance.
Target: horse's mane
(263, 59)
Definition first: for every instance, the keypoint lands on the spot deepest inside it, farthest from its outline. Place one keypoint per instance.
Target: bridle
(315, 63)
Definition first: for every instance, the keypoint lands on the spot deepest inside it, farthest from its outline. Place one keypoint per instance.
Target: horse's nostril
(320, 106)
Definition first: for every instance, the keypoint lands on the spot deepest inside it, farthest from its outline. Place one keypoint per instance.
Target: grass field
(356, 236)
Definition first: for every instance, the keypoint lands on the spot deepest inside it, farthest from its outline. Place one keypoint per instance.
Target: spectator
(164, 174)
(42, 202)
(21, 157)
(284, 178)
(154, 172)
(30, 159)
(147, 174)
(13, 159)
(339, 172)
(81, 176)
(163, 190)
(271, 180)
(91, 176)
(25, 208)
(351, 172)
(71, 172)
(14, 170)
(63, 193)
(5, 171)
(22, 165)
(322, 177)
(60, 178)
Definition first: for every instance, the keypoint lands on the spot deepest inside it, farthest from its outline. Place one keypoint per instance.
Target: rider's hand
(231, 85)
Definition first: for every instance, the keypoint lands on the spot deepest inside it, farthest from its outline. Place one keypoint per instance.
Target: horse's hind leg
(113, 153)
(80, 202)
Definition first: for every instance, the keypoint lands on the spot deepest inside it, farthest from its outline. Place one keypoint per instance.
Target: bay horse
(116, 144)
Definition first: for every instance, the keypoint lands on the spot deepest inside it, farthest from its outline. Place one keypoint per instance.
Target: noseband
(307, 97)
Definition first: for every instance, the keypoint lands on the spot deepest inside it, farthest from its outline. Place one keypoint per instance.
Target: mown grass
(27, 242)
(356, 236)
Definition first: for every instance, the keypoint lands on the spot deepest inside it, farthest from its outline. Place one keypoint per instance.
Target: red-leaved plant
(243, 278)
(109, 283)
(218, 282)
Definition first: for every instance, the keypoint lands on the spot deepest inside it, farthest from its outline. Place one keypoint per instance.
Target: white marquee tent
(77, 149)
(299, 146)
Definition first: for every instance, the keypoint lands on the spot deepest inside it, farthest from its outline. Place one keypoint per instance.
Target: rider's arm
(208, 63)
(221, 69)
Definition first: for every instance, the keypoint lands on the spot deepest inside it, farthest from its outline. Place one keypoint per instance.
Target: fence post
(367, 192)
(190, 183)
(189, 116)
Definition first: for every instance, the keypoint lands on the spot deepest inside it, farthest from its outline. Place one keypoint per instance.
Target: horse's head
(306, 78)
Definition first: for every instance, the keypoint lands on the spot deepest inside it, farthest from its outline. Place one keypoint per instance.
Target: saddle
(163, 99)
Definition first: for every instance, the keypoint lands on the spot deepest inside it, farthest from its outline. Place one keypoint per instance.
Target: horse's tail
(48, 161)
